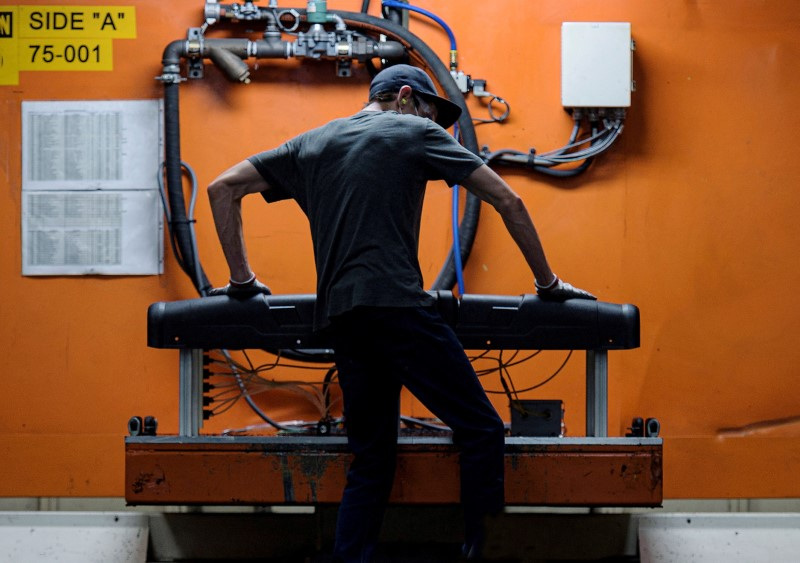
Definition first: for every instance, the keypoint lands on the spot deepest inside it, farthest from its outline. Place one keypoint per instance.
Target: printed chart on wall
(90, 194)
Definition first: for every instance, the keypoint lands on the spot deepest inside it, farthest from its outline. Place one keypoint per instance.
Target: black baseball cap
(393, 78)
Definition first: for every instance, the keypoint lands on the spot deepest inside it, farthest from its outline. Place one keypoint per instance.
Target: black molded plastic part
(481, 322)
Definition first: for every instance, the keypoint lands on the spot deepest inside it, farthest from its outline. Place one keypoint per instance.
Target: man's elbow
(217, 190)
(510, 205)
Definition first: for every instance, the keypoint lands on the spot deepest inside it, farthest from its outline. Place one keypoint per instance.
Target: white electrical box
(596, 64)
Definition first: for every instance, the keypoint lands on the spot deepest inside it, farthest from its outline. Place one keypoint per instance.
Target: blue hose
(457, 243)
(456, 237)
(434, 17)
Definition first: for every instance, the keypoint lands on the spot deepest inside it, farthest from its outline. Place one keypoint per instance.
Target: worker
(360, 181)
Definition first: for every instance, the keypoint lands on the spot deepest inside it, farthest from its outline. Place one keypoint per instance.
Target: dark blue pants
(378, 351)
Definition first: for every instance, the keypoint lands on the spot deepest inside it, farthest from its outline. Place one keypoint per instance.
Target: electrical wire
(576, 150)
(189, 219)
(492, 117)
(192, 233)
(252, 403)
(503, 369)
(245, 375)
(247, 382)
(598, 143)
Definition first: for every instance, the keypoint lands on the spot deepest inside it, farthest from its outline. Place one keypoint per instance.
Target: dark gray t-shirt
(360, 181)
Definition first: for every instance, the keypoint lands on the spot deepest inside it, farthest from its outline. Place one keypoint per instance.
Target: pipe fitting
(234, 67)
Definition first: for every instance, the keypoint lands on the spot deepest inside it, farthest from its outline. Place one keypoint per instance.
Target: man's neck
(376, 106)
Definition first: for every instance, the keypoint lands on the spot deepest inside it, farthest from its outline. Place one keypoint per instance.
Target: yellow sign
(65, 54)
(61, 38)
(77, 21)
(9, 16)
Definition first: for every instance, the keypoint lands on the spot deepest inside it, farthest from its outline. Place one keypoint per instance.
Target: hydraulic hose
(174, 175)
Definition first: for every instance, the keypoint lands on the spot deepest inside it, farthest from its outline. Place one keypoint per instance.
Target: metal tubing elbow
(173, 52)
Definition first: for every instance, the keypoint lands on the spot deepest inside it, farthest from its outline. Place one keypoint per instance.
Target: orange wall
(692, 216)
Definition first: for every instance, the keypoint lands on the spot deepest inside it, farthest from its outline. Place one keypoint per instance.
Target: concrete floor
(411, 534)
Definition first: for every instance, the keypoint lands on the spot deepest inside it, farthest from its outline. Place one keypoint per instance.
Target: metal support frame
(190, 396)
(597, 393)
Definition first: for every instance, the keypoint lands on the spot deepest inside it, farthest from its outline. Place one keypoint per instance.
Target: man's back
(361, 182)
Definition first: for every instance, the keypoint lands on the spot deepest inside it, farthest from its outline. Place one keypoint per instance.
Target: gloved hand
(241, 290)
(560, 290)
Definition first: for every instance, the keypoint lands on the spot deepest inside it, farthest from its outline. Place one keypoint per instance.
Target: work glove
(241, 290)
(560, 290)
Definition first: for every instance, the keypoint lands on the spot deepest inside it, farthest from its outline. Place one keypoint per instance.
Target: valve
(463, 81)
(317, 11)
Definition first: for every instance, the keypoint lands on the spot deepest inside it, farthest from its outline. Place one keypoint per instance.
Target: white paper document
(90, 199)
(88, 145)
(100, 232)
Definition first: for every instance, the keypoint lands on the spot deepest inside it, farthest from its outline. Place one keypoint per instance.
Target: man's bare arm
(225, 195)
(486, 184)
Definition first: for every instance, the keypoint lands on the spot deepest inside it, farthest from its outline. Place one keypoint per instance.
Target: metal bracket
(195, 63)
(190, 394)
(597, 393)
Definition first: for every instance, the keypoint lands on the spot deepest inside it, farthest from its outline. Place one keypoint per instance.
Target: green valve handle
(317, 11)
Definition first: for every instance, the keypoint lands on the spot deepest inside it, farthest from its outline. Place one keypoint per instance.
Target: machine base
(222, 470)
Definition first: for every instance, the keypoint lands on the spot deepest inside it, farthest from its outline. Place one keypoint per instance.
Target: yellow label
(65, 54)
(118, 22)
(61, 37)
(9, 16)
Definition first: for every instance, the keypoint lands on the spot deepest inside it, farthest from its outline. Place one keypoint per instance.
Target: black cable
(326, 383)
(599, 142)
(540, 384)
(509, 363)
(174, 175)
(168, 216)
(238, 372)
(560, 173)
